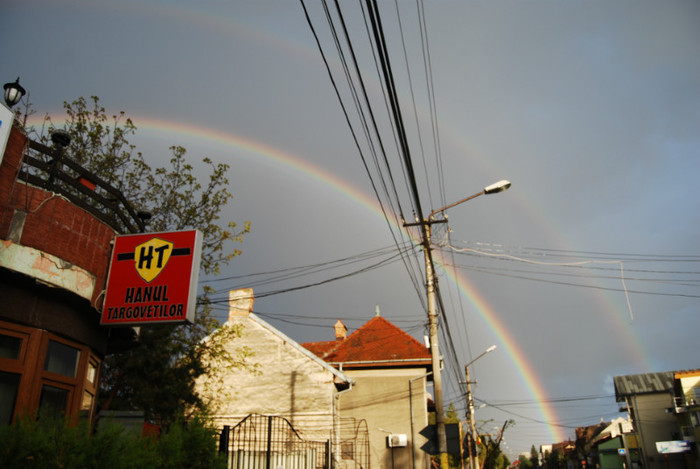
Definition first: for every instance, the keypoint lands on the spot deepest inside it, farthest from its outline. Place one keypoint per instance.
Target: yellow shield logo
(151, 257)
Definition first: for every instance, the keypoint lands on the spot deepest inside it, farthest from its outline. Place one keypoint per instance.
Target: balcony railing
(49, 169)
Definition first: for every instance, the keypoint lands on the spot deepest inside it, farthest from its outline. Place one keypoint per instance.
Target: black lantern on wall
(13, 93)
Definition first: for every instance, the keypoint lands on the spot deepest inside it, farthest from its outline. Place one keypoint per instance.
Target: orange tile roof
(378, 340)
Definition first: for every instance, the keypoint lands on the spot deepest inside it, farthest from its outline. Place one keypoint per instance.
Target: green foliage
(554, 460)
(49, 443)
(174, 195)
(451, 416)
(525, 462)
(534, 457)
(501, 461)
(157, 375)
(491, 452)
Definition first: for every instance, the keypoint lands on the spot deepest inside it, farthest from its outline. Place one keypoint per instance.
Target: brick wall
(53, 224)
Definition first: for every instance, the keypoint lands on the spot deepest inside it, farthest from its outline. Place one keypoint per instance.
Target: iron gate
(268, 442)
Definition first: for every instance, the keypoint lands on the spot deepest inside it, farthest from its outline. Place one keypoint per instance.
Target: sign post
(153, 279)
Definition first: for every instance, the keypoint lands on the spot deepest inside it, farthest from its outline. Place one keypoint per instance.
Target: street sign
(451, 435)
(668, 447)
(153, 279)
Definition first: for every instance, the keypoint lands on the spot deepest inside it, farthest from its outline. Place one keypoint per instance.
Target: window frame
(30, 366)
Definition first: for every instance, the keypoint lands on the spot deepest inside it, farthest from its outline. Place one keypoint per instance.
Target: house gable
(287, 381)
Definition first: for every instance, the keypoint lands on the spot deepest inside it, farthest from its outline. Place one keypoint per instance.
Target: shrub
(53, 443)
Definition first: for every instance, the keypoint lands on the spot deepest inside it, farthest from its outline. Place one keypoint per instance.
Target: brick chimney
(240, 302)
(341, 332)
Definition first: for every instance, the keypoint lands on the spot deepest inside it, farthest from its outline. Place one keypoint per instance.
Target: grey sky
(591, 109)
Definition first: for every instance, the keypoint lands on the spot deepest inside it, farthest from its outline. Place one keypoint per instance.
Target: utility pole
(433, 337)
(435, 352)
(471, 421)
(426, 225)
(473, 461)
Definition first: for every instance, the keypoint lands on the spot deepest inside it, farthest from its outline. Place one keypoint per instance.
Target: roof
(377, 342)
(647, 383)
(687, 374)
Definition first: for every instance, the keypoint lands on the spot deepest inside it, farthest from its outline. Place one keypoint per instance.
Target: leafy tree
(451, 415)
(534, 457)
(501, 461)
(492, 455)
(554, 460)
(525, 462)
(157, 375)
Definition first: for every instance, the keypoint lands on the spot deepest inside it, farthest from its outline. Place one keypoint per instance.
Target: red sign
(153, 279)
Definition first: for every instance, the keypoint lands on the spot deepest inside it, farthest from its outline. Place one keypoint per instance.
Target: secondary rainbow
(294, 163)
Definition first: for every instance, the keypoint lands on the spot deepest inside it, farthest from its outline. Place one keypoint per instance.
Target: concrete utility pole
(473, 459)
(433, 337)
(471, 421)
(500, 186)
(435, 354)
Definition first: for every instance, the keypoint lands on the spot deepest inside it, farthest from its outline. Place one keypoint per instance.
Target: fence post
(329, 457)
(269, 441)
(61, 140)
(223, 440)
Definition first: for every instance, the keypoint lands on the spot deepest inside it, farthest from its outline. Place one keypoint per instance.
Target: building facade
(286, 382)
(686, 400)
(652, 405)
(390, 370)
(54, 255)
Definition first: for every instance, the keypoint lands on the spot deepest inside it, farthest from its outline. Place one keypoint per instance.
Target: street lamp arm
(434, 212)
(494, 188)
(488, 350)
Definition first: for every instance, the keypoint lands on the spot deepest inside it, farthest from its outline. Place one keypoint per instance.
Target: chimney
(341, 332)
(240, 302)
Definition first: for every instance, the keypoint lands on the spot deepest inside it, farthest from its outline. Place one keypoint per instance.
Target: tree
(492, 456)
(525, 462)
(157, 375)
(554, 460)
(534, 457)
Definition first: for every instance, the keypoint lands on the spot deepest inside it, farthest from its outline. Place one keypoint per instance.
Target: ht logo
(146, 256)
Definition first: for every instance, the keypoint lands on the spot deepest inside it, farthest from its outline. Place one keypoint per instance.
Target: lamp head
(60, 137)
(499, 186)
(13, 93)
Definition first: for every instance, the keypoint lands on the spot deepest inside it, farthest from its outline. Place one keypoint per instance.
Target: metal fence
(268, 442)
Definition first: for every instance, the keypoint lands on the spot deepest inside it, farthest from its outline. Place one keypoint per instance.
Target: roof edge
(337, 373)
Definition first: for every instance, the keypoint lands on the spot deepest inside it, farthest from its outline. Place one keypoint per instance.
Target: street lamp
(494, 188)
(499, 186)
(473, 459)
(13, 93)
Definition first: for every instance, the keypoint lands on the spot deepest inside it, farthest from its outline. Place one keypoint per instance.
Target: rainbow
(288, 161)
(524, 368)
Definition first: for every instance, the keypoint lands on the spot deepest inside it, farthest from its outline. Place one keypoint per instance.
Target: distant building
(616, 447)
(686, 400)
(652, 400)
